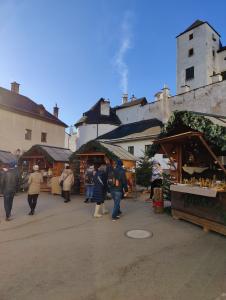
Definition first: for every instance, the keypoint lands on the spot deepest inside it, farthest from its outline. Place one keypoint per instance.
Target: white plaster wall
(88, 132)
(12, 132)
(221, 58)
(203, 61)
(70, 141)
(139, 146)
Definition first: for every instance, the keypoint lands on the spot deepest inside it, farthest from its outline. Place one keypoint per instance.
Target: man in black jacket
(118, 186)
(9, 185)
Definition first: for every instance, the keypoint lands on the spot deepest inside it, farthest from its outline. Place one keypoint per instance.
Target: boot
(104, 210)
(97, 211)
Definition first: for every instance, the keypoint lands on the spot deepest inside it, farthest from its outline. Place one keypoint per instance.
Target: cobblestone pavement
(63, 253)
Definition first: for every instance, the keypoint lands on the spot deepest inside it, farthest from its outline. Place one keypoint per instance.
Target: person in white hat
(34, 183)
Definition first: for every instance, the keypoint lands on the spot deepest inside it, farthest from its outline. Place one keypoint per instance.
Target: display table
(201, 206)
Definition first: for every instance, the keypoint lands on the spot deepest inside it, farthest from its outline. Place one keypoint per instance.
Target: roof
(215, 119)
(111, 151)
(222, 48)
(119, 151)
(55, 153)
(6, 157)
(141, 101)
(141, 129)
(94, 116)
(196, 24)
(20, 104)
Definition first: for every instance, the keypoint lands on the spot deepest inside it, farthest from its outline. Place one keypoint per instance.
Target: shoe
(86, 201)
(116, 218)
(31, 213)
(8, 219)
(66, 201)
(120, 212)
(97, 213)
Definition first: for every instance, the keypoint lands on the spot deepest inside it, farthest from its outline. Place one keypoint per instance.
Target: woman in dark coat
(99, 191)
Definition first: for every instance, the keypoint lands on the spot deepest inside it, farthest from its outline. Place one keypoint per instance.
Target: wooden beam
(212, 153)
(177, 137)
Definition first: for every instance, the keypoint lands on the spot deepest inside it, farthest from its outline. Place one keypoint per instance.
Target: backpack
(114, 180)
(89, 178)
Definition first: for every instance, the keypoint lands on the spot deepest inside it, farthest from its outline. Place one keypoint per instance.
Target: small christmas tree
(144, 171)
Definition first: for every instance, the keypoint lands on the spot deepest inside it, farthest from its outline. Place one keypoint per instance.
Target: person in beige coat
(34, 183)
(67, 179)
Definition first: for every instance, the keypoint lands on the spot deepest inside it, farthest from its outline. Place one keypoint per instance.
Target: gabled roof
(94, 116)
(141, 101)
(196, 24)
(56, 154)
(141, 129)
(23, 105)
(6, 157)
(111, 151)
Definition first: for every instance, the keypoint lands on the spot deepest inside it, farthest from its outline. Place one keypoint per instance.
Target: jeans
(89, 191)
(32, 200)
(117, 196)
(8, 203)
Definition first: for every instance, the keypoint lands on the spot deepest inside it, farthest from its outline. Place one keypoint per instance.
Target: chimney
(133, 98)
(56, 111)
(15, 87)
(124, 98)
(185, 88)
(216, 78)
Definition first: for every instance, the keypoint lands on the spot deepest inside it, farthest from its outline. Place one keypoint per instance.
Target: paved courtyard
(63, 253)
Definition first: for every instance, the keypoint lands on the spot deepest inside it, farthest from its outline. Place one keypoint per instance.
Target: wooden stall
(197, 168)
(50, 160)
(100, 152)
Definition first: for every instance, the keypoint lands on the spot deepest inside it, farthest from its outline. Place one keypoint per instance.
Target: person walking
(118, 187)
(89, 183)
(34, 186)
(66, 181)
(9, 186)
(99, 192)
(156, 178)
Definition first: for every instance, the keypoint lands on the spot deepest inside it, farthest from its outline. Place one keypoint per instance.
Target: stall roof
(55, 153)
(6, 157)
(103, 148)
(119, 151)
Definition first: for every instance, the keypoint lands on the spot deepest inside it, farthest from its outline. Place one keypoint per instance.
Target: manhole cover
(139, 234)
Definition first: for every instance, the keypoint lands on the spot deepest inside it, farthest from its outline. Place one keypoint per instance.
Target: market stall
(196, 147)
(51, 162)
(102, 152)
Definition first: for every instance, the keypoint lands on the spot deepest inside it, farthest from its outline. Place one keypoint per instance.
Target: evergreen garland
(186, 120)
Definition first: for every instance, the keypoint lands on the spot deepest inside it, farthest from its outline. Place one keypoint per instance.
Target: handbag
(62, 181)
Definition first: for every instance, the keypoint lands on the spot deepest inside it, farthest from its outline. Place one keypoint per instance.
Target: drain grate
(139, 234)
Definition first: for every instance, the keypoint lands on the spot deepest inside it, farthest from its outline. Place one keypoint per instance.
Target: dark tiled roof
(55, 153)
(93, 116)
(23, 105)
(141, 101)
(129, 129)
(197, 23)
(223, 48)
(6, 157)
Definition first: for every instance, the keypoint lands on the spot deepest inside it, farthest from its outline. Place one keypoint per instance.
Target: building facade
(24, 123)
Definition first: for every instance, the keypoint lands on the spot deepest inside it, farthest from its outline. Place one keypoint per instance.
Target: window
(131, 149)
(213, 37)
(189, 73)
(147, 148)
(191, 36)
(190, 52)
(213, 52)
(223, 75)
(28, 133)
(43, 137)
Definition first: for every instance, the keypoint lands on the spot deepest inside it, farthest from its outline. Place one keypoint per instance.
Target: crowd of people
(100, 181)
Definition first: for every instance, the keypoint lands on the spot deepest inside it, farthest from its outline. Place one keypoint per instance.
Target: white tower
(197, 60)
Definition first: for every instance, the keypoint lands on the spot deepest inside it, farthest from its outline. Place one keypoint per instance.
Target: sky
(74, 52)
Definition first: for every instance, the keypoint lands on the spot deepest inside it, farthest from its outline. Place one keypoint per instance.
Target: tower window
(190, 52)
(28, 133)
(189, 73)
(213, 37)
(191, 36)
(43, 137)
